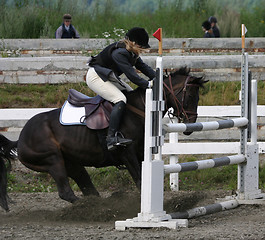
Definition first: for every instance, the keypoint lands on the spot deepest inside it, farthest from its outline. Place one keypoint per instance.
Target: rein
(181, 110)
(139, 112)
(171, 89)
(136, 110)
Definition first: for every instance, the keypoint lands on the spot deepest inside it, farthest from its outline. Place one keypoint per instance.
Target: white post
(248, 173)
(173, 159)
(244, 113)
(152, 188)
(254, 103)
(251, 169)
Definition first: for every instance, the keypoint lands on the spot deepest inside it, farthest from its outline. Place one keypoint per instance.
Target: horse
(45, 145)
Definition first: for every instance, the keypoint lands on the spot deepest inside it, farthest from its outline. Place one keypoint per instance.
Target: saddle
(97, 109)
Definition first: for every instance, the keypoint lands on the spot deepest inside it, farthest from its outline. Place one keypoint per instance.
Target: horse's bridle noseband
(181, 112)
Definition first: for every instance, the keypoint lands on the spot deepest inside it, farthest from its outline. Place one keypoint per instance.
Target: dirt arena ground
(46, 216)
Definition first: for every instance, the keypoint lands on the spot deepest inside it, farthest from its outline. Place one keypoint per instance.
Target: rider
(105, 69)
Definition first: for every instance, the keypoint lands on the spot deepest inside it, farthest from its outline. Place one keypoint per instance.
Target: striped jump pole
(205, 126)
(204, 164)
(205, 210)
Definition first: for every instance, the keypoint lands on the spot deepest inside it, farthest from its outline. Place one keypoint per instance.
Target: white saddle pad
(71, 115)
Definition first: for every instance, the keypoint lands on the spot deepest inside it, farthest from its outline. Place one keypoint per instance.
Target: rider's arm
(121, 57)
(145, 69)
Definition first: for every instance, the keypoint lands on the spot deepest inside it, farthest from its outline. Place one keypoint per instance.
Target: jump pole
(205, 210)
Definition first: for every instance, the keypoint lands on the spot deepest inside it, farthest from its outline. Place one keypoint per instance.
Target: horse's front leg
(133, 164)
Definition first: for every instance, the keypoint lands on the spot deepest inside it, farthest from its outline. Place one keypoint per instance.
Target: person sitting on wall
(67, 30)
(208, 32)
(213, 21)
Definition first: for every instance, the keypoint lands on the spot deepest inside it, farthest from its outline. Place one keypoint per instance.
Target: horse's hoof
(74, 200)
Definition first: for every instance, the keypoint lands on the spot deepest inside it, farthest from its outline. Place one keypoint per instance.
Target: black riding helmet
(206, 25)
(212, 19)
(139, 36)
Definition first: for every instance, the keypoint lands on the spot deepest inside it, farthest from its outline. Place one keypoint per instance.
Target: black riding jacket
(216, 32)
(115, 58)
(68, 34)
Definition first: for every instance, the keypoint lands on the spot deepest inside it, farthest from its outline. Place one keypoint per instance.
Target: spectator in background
(208, 32)
(66, 30)
(213, 21)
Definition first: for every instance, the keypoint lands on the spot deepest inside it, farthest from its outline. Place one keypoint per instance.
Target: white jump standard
(153, 169)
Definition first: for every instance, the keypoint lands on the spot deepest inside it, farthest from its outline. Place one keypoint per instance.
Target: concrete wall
(171, 46)
(62, 69)
(64, 60)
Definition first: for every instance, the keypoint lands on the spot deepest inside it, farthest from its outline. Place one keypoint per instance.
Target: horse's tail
(7, 149)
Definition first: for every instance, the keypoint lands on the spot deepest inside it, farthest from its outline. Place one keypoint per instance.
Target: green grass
(46, 95)
(109, 178)
(31, 182)
(39, 20)
(113, 179)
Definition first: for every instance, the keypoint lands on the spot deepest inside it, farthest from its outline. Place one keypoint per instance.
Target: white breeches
(109, 90)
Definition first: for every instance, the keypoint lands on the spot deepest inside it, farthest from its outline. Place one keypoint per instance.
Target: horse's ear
(184, 71)
(202, 79)
(199, 80)
(202, 82)
(181, 71)
(166, 73)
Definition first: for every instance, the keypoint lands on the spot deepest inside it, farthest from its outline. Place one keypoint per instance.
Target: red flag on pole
(158, 34)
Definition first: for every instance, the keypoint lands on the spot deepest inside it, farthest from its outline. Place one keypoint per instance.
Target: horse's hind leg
(58, 172)
(54, 165)
(79, 174)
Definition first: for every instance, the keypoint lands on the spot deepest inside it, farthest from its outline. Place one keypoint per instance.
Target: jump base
(131, 223)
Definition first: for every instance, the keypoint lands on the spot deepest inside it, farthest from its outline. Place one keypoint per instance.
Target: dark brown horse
(45, 145)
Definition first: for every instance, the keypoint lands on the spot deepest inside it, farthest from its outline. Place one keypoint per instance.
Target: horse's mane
(182, 71)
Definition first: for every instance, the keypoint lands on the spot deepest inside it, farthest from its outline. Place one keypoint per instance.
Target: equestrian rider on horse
(103, 77)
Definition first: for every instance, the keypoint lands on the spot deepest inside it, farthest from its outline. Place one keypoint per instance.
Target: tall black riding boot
(113, 138)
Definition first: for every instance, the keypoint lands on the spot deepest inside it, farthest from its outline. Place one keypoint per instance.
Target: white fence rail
(12, 121)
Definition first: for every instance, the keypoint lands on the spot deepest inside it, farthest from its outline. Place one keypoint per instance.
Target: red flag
(157, 34)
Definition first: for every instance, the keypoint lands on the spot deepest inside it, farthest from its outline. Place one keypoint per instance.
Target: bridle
(181, 112)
